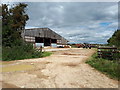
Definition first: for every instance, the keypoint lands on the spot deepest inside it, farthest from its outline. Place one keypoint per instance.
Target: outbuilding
(43, 37)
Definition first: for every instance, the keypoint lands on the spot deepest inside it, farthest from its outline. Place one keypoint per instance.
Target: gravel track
(63, 69)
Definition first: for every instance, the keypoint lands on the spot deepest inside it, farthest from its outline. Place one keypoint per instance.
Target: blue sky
(78, 22)
(105, 23)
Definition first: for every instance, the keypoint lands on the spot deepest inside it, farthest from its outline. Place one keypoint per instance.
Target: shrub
(24, 51)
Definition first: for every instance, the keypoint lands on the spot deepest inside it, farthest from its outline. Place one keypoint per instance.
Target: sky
(78, 22)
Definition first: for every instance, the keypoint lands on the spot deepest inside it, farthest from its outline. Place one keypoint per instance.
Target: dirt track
(63, 69)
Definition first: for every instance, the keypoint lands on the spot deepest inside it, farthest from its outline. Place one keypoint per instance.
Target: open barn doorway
(47, 42)
(53, 40)
(39, 40)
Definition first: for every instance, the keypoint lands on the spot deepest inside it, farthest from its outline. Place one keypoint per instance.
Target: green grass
(0, 52)
(22, 52)
(45, 54)
(108, 67)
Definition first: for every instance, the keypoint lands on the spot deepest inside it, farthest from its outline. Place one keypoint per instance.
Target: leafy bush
(24, 51)
(109, 67)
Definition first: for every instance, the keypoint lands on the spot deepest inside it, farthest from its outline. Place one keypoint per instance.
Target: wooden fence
(107, 52)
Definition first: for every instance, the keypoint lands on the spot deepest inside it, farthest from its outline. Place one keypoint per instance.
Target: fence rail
(107, 52)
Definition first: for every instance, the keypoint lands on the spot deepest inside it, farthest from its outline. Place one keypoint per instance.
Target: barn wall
(31, 34)
(29, 39)
(63, 41)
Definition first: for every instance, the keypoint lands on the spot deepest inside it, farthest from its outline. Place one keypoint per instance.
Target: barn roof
(42, 32)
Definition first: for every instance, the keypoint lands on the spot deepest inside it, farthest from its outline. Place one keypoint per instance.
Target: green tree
(6, 27)
(115, 39)
(14, 21)
(19, 17)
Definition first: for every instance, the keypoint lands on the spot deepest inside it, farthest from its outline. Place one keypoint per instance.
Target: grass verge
(22, 52)
(108, 67)
(45, 54)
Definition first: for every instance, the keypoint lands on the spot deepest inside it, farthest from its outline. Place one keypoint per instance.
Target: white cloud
(113, 25)
(113, 10)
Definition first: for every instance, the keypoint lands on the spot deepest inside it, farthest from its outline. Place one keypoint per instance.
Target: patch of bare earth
(71, 64)
(63, 69)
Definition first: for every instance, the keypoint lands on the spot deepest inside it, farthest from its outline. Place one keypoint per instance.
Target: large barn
(43, 37)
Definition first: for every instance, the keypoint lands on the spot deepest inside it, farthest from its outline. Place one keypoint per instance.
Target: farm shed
(43, 37)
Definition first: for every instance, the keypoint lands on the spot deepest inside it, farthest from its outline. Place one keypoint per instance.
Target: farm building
(43, 37)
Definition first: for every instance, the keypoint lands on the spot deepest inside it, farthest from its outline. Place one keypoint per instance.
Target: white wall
(39, 44)
(53, 45)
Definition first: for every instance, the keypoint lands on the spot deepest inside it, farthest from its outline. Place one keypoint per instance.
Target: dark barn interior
(39, 40)
(47, 42)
